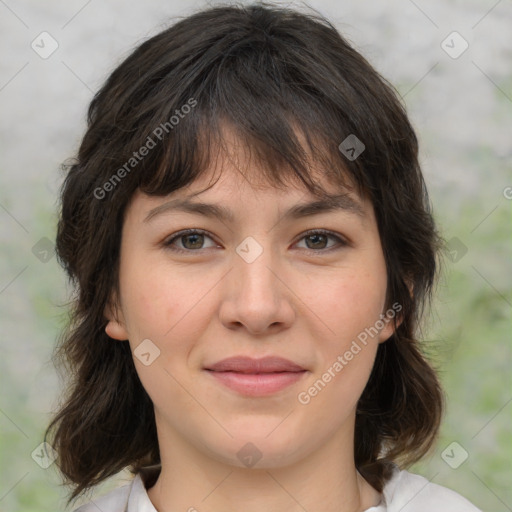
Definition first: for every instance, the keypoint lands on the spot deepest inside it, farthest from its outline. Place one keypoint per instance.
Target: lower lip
(257, 384)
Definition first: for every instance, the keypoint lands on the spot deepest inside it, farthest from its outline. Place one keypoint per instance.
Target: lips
(243, 364)
(256, 377)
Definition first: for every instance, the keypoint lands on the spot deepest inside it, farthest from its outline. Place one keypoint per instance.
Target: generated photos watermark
(157, 134)
(304, 397)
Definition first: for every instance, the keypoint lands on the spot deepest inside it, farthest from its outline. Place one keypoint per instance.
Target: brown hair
(268, 72)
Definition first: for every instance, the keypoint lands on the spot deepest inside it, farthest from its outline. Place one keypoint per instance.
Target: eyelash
(168, 243)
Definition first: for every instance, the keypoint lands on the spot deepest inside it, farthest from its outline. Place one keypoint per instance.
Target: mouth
(256, 377)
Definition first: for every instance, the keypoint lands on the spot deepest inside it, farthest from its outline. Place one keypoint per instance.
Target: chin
(260, 445)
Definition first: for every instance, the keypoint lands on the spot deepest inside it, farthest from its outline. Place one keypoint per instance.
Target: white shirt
(404, 492)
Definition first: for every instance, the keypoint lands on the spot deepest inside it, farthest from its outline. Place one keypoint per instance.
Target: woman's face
(253, 284)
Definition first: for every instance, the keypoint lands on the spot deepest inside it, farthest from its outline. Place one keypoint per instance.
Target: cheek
(155, 299)
(169, 307)
(346, 355)
(148, 310)
(349, 303)
(350, 306)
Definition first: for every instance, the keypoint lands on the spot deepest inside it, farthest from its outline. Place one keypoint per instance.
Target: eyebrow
(330, 203)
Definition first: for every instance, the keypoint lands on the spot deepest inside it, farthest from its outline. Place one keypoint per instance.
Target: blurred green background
(462, 110)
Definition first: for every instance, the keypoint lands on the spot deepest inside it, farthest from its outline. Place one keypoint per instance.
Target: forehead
(228, 204)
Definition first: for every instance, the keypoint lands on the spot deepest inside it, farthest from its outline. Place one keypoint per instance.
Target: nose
(257, 296)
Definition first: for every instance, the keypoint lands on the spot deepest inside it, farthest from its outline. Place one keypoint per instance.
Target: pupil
(316, 237)
(193, 243)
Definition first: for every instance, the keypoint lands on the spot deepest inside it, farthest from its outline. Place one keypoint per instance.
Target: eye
(318, 238)
(193, 239)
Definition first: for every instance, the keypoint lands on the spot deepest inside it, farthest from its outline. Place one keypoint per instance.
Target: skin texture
(302, 302)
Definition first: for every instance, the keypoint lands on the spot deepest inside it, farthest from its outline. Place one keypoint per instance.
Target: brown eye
(188, 241)
(317, 240)
(195, 240)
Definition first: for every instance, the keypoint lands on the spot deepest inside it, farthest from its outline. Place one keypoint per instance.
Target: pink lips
(256, 377)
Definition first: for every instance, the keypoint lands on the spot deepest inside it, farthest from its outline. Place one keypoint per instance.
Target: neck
(324, 481)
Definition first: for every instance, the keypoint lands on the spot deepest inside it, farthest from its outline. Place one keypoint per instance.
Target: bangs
(280, 156)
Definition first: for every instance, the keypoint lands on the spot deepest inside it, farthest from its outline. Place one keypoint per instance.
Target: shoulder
(114, 501)
(409, 492)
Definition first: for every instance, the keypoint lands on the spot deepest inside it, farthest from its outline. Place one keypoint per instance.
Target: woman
(250, 236)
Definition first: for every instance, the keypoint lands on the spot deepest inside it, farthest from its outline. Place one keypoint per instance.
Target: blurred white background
(460, 103)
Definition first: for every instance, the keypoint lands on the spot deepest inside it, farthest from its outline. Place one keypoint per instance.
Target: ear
(393, 317)
(388, 328)
(389, 321)
(116, 327)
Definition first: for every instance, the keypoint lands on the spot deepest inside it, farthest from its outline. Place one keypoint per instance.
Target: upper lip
(244, 364)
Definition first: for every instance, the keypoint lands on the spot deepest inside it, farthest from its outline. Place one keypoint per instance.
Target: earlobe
(115, 327)
(116, 331)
